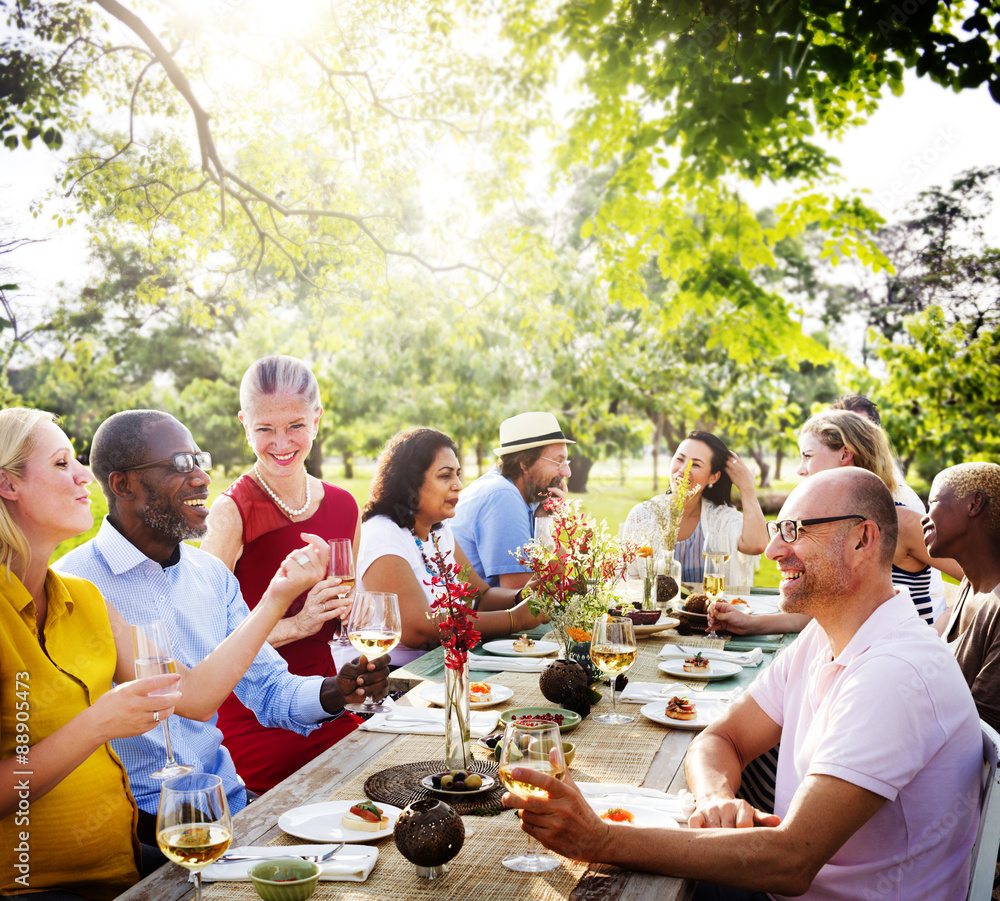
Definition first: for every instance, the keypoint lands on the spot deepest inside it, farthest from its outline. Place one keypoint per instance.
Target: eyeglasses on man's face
(789, 528)
(183, 462)
(559, 463)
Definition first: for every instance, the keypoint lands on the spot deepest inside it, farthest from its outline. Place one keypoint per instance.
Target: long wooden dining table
(642, 753)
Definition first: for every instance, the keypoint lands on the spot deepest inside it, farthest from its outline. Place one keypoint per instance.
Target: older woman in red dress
(251, 527)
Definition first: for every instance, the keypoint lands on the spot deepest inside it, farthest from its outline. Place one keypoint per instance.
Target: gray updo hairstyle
(278, 374)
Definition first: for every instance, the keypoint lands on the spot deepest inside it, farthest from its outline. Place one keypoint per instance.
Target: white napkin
(644, 692)
(508, 664)
(427, 721)
(623, 795)
(743, 658)
(352, 863)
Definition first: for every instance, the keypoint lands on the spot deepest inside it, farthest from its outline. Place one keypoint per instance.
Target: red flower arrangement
(458, 634)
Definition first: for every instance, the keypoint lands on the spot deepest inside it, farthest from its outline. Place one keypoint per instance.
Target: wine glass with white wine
(533, 747)
(374, 629)
(342, 567)
(716, 554)
(193, 826)
(154, 657)
(613, 651)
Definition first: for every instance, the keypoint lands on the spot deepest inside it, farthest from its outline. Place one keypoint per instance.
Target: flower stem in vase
(457, 749)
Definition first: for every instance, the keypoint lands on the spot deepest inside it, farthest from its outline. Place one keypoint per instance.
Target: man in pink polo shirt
(878, 780)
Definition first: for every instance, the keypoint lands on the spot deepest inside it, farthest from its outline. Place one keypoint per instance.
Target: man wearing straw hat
(496, 513)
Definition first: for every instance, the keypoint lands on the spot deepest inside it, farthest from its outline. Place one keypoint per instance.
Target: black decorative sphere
(429, 833)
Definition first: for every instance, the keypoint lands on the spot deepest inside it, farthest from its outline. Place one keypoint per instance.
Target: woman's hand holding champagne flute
(154, 657)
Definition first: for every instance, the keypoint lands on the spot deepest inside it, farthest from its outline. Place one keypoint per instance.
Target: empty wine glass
(534, 747)
(193, 826)
(154, 657)
(543, 533)
(613, 651)
(374, 629)
(342, 567)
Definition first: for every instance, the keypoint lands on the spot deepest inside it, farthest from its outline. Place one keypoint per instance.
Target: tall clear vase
(457, 739)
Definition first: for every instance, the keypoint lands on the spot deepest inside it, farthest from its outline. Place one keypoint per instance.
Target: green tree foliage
(940, 256)
(942, 395)
(309, 129)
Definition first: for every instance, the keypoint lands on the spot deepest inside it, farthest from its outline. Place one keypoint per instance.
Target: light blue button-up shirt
(200, 601)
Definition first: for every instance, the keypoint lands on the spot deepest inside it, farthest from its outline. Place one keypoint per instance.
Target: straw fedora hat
(527, 430)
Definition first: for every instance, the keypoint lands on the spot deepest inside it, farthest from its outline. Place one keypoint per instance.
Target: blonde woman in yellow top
(67, 818)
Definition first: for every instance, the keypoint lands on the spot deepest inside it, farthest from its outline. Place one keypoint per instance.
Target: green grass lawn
(607, 498)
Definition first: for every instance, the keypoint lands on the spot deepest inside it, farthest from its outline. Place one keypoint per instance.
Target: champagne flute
(374, 629)
(342, 567)
(193, 826)
(534, 747)
(613, 651)
(154, 657)
(714, 582)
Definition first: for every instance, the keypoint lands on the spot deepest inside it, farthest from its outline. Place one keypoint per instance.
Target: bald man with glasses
(878, 789)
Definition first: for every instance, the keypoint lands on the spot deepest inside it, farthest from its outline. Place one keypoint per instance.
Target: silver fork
(313, 858)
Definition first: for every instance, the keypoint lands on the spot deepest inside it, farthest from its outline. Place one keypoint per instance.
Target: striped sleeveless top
(688, 553)
(919, 585)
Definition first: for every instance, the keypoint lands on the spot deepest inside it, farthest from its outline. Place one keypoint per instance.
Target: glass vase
(648, 582)
(457, 748)
(668, 581)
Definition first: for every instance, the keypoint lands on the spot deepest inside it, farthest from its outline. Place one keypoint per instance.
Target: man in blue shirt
(153, 476)
(496, 513)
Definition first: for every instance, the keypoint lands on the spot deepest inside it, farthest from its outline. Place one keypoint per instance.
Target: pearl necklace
(278, 500)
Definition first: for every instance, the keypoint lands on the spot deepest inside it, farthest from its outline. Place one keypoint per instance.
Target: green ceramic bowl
(570, 720)
(285, 878)
(569, 752)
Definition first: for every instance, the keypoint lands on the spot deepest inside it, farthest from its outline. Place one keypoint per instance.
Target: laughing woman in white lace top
(715, 469)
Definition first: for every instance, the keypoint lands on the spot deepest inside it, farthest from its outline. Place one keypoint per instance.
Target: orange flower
(644, 551)
(578, 634)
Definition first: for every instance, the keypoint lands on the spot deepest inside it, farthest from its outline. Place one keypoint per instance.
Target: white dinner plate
(505, 648)
(322, 822)
(717, 669)
(756, 603)
(644, 816)
(433, 693)
(488, 783)
(707, 713)
(661, 625)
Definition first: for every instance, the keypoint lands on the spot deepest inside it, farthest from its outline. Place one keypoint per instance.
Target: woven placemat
(400, 785)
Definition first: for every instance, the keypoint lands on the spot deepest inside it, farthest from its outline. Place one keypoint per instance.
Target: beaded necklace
(423, 553)
(274, 497)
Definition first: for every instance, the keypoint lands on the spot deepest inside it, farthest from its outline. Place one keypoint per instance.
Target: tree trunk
(657, 438)
(348, 464)
(314, 462)
(577, 482)
(763, 466)
(779, 457)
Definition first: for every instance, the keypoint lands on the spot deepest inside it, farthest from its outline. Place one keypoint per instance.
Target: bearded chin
(170, 524)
